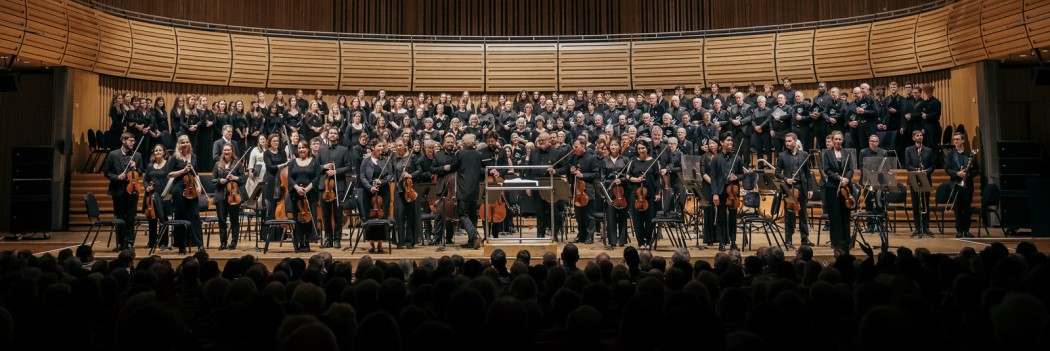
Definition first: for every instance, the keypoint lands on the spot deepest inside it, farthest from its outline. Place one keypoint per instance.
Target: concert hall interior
(333, 168)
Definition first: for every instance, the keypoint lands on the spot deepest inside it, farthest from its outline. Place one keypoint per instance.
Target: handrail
(188, 24)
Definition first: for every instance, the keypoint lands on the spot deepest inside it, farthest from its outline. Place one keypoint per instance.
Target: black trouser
(188, 209)
(303, 230)
(866, 129)
(963, 198)
(124, 209)
(838, 218)
(922, 220)
(270, 201)
(643, 223)
(804, 136)
(468, 213)
(616, 226)
(332, 218)
(231, 213)
(763, 143)
(790, 217)
(709, 224)
(819, 130)
(778, 142)
(154, 226)
(584, 218)
(406, 221)
(742, 140)
(543, 215)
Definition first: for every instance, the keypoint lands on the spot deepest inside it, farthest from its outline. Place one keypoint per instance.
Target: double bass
(281, 193)
(447, 203)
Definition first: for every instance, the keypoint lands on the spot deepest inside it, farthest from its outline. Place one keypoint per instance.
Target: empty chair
(93, 213)
(989, 204)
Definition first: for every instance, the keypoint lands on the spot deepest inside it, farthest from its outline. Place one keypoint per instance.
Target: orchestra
(330, 160)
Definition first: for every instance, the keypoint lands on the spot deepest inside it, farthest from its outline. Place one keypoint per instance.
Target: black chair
(898, 201)
(817, 201)
(989, 204)
(376, 224)
(939, 205)
(254, 213)
(97, 223)
(283, 226)
(766, 224)
(165, 226)
(670, 222)
(95, 153)
(102, 139)
(210, 222)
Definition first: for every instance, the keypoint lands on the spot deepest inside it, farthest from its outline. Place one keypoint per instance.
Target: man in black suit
(871, 202)
(791, 168)
(442, 227)
(919, 158)
(469, 173)
(227, 138)
(335, 162)
(582, 165)
(116, 167)
(955, 165)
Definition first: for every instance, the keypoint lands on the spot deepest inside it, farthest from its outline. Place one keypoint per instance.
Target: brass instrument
(923, 206)
(954, 195)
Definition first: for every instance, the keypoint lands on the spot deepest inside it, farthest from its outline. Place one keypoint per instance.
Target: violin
(305, 216)
(794, 206)
(844, 190)
(135, 182)
(192, 187)
(329, 190)
(406, 183)
(377, 201)
(579, 197)
(233, 194)
(618, 193)
(639, 198)
(733, 199)
(150, 212)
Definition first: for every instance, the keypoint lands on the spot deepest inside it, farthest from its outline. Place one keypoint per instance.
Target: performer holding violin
(229, 180)
(375, 178)
(423, 175)
(335, 163)
(406, 213)
(616, 216)
(644, 178)
(709, 174)
(121, 167)
(186, 193)
(154, 206)
(837, 167)
(304, 173)
(727, 170)
(582, 170)
(791, 164)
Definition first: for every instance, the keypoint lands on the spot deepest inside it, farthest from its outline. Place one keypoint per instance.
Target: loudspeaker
(1020, 149)
(1039, 203)
(31, 189)
(1041, 76)
(10, 81)
(1015, 211)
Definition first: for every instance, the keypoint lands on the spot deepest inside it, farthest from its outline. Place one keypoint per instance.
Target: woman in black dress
(155, 181)
(226, 173)
(643, 174)
(161, 125)
(182, 168)
(205, 133)
(304, 175)
(275, 160)
(240, 125)
(836, 166)
(374, 181)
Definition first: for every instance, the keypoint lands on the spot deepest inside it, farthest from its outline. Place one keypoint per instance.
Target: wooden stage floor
(941, 243)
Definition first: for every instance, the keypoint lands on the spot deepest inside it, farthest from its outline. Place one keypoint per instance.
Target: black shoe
(222, 247)
(808, 243)
(326, 245)
(182, 250)
(477, 244)
(411, 246)
(967, 235)
(116, 249)
(468, 245)
(721, 247)
(400, 247)
(434, 242)
(788, 246)
(336, 245)
(733, 248)
(201, 249)
(916, 232)
(232, 246)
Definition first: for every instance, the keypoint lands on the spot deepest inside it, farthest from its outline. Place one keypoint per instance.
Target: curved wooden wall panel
(455, 67)
(598, 66)
(47, 31)
(82, 47)
(511, 67)
(250, 61)
(303, 63)
(795, 56)
(666, 63)
(1003, 29)
(892, 47)
(12, 25)
(931, 40)
(740, 59)
(114, 38)
(70, 33)
(964, 32)
(1037, 20)
(204, 57)
(375, 65)
(153, 52)
(841, 53)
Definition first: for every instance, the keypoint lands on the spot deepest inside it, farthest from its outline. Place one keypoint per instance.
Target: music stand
(560, 191)
(920, 184)
(880, 175)
(696, 187)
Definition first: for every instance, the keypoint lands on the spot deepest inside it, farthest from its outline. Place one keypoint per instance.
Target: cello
(281, 193)
(496, 211)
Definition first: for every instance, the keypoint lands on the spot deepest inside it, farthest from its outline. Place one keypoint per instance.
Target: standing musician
(226, 139)
(373, 180)
(791, 168)
(182, 165)
(275, 160)
(117, 165)
(583, 165)
(304, 173)
(650, 182)
(227, 172)
(919, 158)
(544, 155)
(836, 167)
(443, 227)
(494, 155)
(335, 163)
(871, 201)
(740, 116)
(469, 173)
(671, 164)
(406, 213)
(156, 178)
(612, 173)
(955, 165)
(423, 175)
(727, 169)
(709, 174)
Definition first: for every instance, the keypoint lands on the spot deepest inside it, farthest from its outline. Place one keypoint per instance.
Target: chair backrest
(774, 210)
(818, 194)
(990, 196)
(92, 143)
(101, 138)
(946, 137)
(899, 196)
(943, 191)
(960, 128)
(91, 204)
(158, 208)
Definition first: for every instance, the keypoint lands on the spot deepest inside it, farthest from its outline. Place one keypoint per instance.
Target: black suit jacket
(788, 166)
(833, 170)
(469, 173)
(912, 161)
(216, 149)
(115, 164)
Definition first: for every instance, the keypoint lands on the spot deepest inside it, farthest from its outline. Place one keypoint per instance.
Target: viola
(150, 212)
(233, 193)
(410, 192)
(135, 182)
(851, 203)
(305, 216)
(619, 201)
(192, 189)
(733, 199)
(579, 198)
(329, 190)
(640, 203)
(794, 206)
